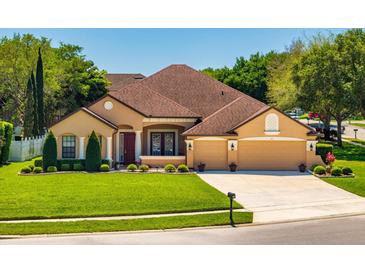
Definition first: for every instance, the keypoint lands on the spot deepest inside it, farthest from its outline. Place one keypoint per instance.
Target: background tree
(35, 106)
(40, 93)
(282, 91)
(93, 153)
(49, 151)
(247, 75)
(322, 78)
(29, 109)
(5, 149)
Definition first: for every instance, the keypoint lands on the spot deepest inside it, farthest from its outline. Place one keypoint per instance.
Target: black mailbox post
(355, 130)
(231, 196)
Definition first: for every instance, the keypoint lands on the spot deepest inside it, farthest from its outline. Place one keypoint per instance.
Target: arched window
(272, 123)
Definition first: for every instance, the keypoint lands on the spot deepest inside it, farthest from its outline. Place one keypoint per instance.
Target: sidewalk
(108, 218)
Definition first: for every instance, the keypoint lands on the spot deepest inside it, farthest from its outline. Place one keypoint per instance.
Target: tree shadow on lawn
(349, 152)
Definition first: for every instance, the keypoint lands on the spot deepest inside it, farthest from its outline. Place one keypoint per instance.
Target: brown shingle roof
(120, 80)
(193, 89)
(222, 121)
(150, 103)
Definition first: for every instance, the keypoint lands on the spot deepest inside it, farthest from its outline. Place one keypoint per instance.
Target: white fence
(26, 149)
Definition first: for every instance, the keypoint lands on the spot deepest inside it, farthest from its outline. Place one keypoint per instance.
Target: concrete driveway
(276, 196)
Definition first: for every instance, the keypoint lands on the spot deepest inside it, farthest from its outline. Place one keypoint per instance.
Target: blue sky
(148, 50)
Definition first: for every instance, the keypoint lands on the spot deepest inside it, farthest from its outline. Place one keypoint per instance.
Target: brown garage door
(271, 155)
(212, 153)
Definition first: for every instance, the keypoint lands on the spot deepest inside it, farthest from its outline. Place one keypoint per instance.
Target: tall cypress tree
(40, 92)
(35, 106)
(29, 109)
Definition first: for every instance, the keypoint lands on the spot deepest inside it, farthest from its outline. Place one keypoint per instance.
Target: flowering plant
(330, 158)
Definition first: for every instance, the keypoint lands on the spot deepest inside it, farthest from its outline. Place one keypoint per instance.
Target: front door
(127, 147)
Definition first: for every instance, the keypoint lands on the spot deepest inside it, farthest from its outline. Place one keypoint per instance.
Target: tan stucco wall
(81, 124)
(119, 115)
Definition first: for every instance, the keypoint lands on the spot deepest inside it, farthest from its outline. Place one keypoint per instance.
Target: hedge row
(6, 133)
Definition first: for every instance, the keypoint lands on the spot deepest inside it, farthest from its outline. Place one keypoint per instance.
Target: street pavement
(345, 230)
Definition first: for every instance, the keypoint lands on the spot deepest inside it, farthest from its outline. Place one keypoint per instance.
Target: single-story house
(180, 115)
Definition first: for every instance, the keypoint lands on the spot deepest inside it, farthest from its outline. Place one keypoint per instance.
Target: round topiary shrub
(183, 168)
(93, 153)
(78, 167)
(320, 170)
(52, 169)
(132, 167)
(38, 163)
(313, 167)
(37, 169)
(31, 167)
(104, 168)
(336, 171)
(170, 168)
(65, 167)
(346, 171)
(144, 168)
(26, 170)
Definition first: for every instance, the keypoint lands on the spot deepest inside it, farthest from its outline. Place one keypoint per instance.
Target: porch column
(82, 147)
(117, 143)
(109, 148)
(138, 144)
(189, 153)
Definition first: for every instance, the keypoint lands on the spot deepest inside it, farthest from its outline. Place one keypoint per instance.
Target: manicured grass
(93, 194)
(211, 219)
(354, 157)
(359, 141)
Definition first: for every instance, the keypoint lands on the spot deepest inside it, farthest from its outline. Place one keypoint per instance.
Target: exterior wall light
(311, 147)
(232, 146)
(190, 146)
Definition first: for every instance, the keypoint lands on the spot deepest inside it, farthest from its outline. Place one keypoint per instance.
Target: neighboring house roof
(222, 121)
(150, 103)
(193, 89)
(120, 80)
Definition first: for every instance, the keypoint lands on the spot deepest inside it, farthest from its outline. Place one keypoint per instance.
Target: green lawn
(81, 195)
(209, 219)
(354, 157)
(359, 141)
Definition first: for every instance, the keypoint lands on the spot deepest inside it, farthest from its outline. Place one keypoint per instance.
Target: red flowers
(330, 158)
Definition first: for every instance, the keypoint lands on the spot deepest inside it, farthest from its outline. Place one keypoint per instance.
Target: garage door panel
(212, 153)
(271, 155)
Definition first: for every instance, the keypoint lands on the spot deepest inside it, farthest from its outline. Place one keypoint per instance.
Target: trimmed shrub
(104, 168)
(336, 171)
(320, 170)
(144, 168)
(323, 149)
(26, 170)
(78, 167)
(31, 167)
(170, 168)
(65, 167)
(313, 167)
(71, 162)
(93, 153)
(7, 134)
(37, 169)
(346, 171)
(105, 162)
(38, 163)
(49, 151)
(51, 169)
(132, 167)
(183, 168)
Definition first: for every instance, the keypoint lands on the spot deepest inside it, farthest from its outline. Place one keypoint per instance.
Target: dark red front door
(129, 147)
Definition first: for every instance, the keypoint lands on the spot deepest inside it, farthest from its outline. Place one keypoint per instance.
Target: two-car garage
(251, 154)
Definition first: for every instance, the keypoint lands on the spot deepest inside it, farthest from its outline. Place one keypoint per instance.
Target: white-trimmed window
(272, 123)
(69, 147)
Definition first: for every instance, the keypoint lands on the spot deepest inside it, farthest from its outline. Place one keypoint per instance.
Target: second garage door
(271, 155)
(212, 153)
